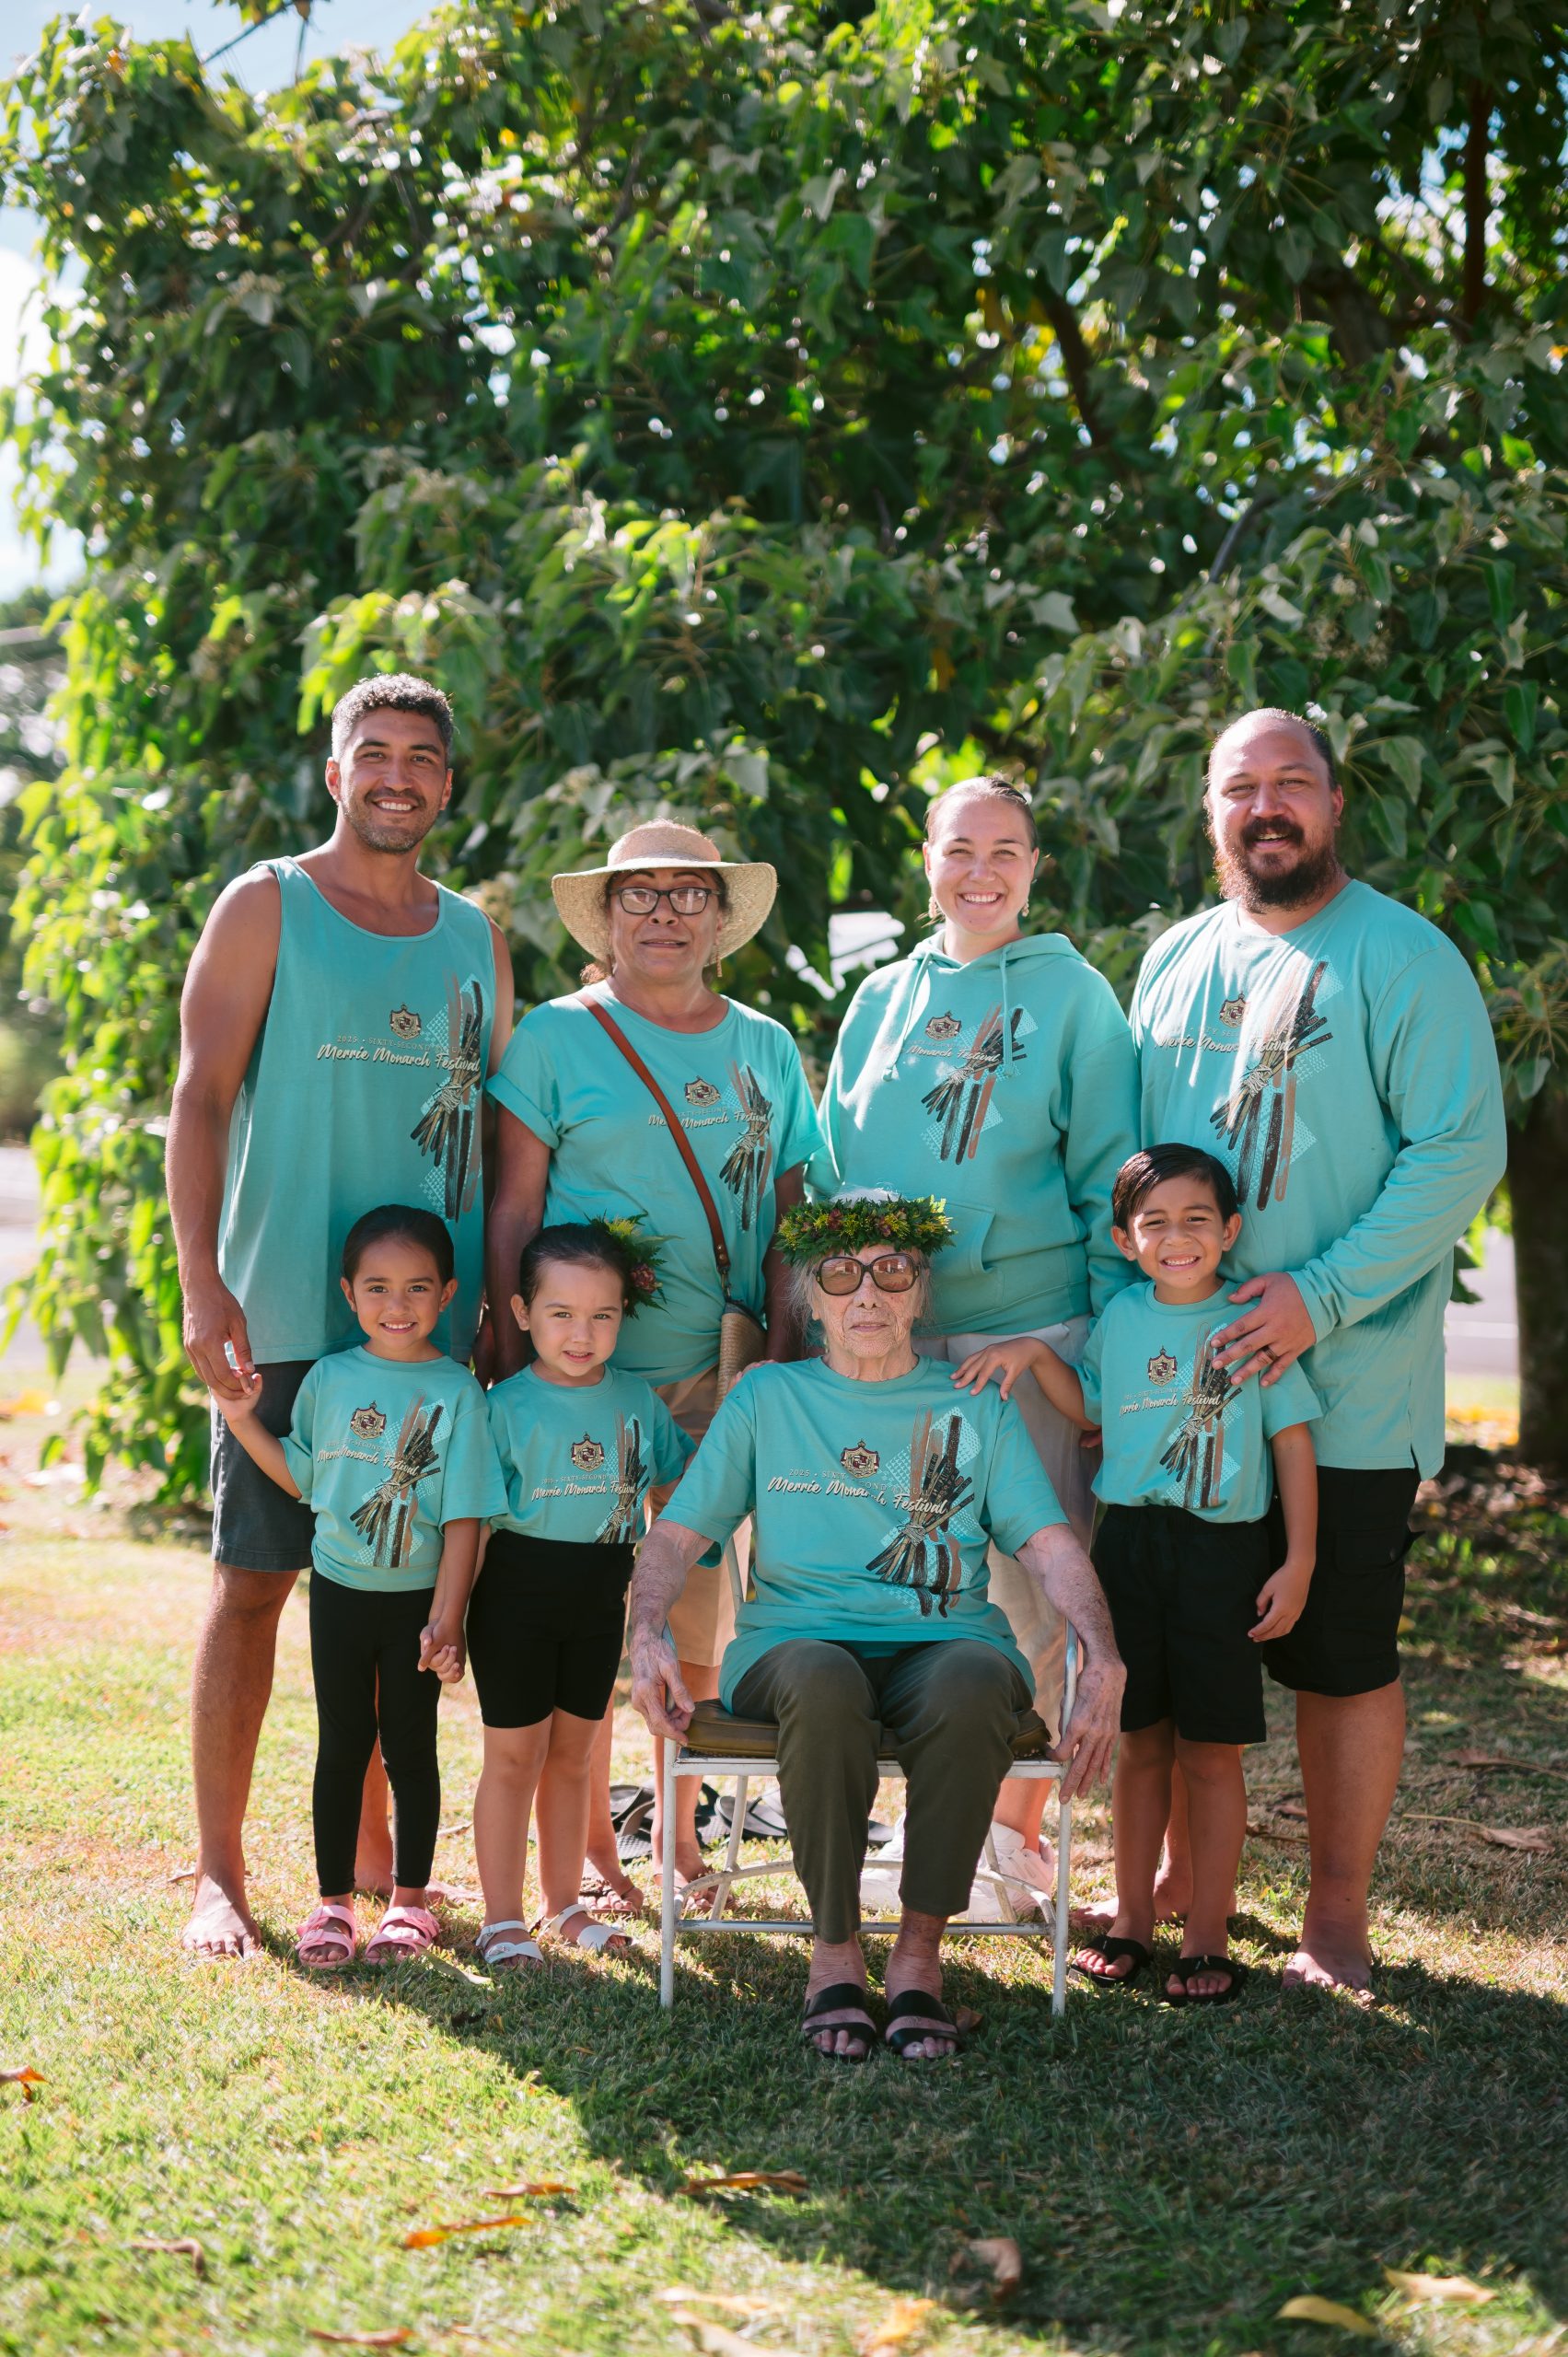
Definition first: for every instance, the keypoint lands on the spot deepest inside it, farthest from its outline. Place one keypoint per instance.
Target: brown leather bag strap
(682, 1144)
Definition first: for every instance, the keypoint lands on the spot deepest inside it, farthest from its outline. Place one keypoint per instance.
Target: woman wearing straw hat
(650, 1096)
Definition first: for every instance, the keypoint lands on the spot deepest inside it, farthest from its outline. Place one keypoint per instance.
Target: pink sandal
(332, 1928)
(403, 1931)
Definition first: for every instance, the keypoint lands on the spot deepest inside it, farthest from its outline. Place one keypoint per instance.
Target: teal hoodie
(1009, 1087)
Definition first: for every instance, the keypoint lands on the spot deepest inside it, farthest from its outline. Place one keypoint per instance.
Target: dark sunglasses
(686, 899)
(890, 1273)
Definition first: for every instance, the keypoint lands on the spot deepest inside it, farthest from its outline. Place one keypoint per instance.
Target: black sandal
(840, 1998)
(1113, 1950)
(933, 2016)
(1186, 1969)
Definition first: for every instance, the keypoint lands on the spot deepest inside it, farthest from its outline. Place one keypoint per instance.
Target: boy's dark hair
(1150, 1168)
(408, 1223)
(579, 1245)
(393, 692)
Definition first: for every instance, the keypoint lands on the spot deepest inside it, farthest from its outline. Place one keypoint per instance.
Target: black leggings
(365, 1660)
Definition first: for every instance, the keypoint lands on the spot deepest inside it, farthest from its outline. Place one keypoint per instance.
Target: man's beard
(1288, 887)
(395, 835)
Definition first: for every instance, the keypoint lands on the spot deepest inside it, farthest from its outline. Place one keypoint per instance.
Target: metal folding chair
(719, 1744)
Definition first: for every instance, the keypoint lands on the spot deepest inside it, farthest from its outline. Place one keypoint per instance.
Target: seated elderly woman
(875, 1490)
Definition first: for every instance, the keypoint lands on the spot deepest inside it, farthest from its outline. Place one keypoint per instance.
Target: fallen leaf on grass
(1308, 2308)
(1496, 1760)
(26, 2077)
(182, 2247)
(718, 2339)
(1270, 1833)
(427, 2237)
(184, 1874)
(547, 2185)
(1290, 1808)
(1439, 2287)
(394, 2337)
(904, 2323)
(1000, 2257)
(448, 1830)
(25, 1403)
(745, 2181)
(1517, 1837)
(739, 2304)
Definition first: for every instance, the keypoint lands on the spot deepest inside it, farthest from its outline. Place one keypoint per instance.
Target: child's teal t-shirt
(579, 1459)
(385, 1454)
(1177, 1432)
(874, 1506)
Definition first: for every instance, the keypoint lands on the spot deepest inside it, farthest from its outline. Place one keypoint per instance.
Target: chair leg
(1063, 1881)
(666, 1882)
(719, 1903)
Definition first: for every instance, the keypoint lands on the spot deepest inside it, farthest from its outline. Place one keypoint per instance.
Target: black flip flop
(1186, 1969)
(838, 1998)
(1113, 1950)
(932, 2013)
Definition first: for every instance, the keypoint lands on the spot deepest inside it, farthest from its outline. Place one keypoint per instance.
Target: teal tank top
(364, 1087)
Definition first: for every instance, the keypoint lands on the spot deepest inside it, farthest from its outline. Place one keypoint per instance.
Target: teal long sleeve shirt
(1345, 1072)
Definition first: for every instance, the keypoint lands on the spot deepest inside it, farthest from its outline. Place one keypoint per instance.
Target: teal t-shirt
(364, 1087)
(1346, 1074)
(387, 1454)
(1008, 1086)
(1177, 1431)
(874, 1506)
(579, 1458)
(739, 1094)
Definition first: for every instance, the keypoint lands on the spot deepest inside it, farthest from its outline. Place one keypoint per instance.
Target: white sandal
(493, 1949)
(595, 1936)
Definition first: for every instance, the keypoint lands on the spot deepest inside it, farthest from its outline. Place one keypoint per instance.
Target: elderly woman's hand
(1089, 1740)
(656, 1687)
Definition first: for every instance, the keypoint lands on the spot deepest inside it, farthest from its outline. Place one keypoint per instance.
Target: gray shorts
(256, 1525)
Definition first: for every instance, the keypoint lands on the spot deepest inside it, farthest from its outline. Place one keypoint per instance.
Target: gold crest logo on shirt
(368, 1423)
(943, 1027)
(586, 1455)
(1232, 1010)
(1162, 1367)
(859, 1460)
(405, 1022)
(702, 1092)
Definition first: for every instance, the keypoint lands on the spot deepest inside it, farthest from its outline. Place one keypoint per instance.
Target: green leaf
(1519, 701)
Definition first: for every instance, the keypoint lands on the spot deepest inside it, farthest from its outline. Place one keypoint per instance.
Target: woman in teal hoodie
(997, 1072)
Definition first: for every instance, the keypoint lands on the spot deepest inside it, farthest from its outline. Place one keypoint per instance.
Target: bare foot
(220, 1924)
(1100, 1914)
(609, 1890)
(844, 2031)
(1325, 1963)
(373, 1864)
(915, 1962)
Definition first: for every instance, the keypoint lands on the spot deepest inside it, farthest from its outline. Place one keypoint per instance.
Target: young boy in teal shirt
(1182, 1549)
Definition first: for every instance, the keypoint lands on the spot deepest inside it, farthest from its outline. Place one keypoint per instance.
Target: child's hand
(440, 1643)
(238, 1411)
(1279, 1601)
(1005, 1360)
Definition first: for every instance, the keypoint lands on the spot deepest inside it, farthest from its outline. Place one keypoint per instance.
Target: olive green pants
(951, 1708)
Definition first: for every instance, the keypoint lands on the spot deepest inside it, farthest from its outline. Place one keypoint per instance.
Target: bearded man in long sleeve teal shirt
(1332, 1048)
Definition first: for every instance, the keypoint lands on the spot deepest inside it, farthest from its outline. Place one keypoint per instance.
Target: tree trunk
(1478, 204)
(1537, 1164)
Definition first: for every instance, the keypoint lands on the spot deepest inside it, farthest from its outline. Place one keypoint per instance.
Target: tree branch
(1076, 361)
(1477, 207)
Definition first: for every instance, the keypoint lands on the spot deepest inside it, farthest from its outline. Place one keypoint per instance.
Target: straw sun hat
(750, 886)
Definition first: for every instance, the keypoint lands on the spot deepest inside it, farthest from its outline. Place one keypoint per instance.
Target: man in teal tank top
(1331, 1047)
(338, 1018)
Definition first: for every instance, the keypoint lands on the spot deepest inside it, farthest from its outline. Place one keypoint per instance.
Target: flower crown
(643, 1257)
(848, 1222)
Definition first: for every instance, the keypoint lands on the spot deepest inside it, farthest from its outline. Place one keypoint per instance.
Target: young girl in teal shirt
(580, 1442)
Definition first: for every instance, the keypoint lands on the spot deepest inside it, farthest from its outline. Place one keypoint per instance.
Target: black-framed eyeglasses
(890, 1273)
(686, 899)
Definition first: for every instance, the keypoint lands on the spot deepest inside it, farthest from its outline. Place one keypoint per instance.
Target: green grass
(1171, 2180)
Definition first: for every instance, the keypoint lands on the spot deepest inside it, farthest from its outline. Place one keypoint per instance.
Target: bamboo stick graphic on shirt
(385, 1521)
(1196, 1456)
(619, 1526)
(962, 1100)
(749, 1164)
(925, 1555)
(446, 1129)
(1291, 1026)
